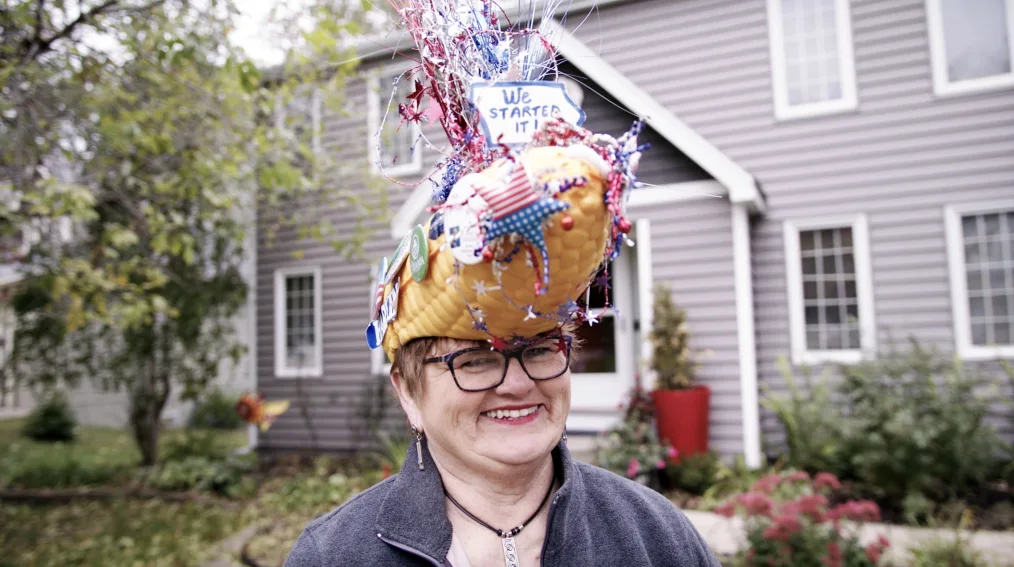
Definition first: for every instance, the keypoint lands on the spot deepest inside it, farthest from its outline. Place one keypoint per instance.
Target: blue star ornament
(528, 221)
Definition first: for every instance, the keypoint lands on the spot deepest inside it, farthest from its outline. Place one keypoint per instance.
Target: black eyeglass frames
(480, 368)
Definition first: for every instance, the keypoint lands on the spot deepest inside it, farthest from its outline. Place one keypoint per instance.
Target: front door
(604, 368)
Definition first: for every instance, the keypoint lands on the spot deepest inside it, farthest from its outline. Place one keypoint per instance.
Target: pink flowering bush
(632, 448)
(790, 522)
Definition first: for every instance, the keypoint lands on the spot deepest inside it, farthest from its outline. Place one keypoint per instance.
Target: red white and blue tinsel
(461, 42)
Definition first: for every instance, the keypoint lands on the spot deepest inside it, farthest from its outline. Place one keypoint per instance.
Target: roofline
(741, 185)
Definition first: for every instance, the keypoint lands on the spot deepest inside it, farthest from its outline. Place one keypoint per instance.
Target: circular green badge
(419, 254)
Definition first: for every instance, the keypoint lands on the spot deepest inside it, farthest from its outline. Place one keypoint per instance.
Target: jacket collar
(413, 513)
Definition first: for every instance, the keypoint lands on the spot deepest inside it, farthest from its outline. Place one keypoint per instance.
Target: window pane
(832, 314)
(810, 41)
(975, 38)
(806, 241)
(974, 280)
(598, 349)
(850, 289)
(831, 289)
(809, 266)
(809, 290)
(830, 264)
(1001, 306)
(813, 340)
(812, 315)
(854, 338)
(972, 254)
(833, 278)
(976, 307)
(978, 333)
(1001, 334)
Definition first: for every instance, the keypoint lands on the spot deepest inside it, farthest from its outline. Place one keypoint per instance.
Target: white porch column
(743, 273)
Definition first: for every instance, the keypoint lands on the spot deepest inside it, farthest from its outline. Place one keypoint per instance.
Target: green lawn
(100, 456)
(115, 533)
(94, 533)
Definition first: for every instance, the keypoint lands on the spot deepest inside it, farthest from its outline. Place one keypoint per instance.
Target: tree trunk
(148, 398)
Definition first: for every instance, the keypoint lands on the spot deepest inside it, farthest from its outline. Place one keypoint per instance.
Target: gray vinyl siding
(691, 245)
(900, 157)
(328, 407)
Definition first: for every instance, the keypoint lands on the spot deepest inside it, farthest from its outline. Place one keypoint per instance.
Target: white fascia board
(741, 185)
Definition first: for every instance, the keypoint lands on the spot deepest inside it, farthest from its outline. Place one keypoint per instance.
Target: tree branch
(39, 46)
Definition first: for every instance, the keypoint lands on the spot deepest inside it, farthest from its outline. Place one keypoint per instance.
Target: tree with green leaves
(136, 141)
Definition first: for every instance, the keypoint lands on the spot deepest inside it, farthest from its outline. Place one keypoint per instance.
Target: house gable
(612, 103)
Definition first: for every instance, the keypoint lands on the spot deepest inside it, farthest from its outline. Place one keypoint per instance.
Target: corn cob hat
(522, 221)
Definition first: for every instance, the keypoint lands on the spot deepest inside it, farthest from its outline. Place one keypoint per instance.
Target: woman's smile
(513, 415)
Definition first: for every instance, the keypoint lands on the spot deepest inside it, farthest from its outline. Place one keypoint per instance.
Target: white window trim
(938, 57)
(846, 66)
(864, 290)
(377, 96)
(281, 370)
(959, 288)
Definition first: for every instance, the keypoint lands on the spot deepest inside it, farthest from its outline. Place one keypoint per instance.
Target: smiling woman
(477, 311)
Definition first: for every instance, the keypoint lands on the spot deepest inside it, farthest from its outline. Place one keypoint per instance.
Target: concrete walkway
(726, 536)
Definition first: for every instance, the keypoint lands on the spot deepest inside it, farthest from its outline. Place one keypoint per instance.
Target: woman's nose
(516, 382)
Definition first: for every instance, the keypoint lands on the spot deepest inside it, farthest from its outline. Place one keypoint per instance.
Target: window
(980, 244)
(830, 290)
(298, 349)
(811, 57)
(395, 147)
(972, 44)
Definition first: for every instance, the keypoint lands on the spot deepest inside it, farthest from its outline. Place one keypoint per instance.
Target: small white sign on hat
(511, 112)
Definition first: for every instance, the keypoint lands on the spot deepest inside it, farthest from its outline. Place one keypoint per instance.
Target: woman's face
(459, 425)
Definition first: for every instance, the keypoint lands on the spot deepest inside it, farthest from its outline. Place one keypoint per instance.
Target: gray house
(824, 173)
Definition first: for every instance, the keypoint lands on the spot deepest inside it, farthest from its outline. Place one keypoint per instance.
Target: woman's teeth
(510, 414)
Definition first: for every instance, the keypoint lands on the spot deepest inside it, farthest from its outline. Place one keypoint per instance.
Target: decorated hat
(529, 206)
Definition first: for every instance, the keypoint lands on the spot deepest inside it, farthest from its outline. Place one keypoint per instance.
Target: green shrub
(52, 421)
(224, 477)
(186, 443)
(811, 423)
(916, 424)
(216, 411)
(694, 473)
(60, 467)
(946, 553)
(909, 426)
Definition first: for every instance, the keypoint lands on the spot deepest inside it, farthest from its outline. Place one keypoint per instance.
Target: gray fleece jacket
(595, 518)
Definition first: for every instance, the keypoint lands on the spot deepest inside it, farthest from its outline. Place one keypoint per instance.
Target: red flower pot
(682, 418)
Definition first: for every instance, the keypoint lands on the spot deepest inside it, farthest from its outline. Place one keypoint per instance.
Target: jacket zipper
(549, 526)
(411, 550)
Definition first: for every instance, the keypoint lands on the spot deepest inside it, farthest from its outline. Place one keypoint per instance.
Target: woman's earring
(418, 445)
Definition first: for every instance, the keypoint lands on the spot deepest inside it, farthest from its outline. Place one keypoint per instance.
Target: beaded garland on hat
(512, 203)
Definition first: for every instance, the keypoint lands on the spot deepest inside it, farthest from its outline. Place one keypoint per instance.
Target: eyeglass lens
(483, 369)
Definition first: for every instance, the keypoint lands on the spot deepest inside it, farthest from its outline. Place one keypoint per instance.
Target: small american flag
(516, 195)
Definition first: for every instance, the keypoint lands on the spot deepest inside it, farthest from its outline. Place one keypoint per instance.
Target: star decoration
(568, 309)
(528, 223)
(433, 112)
(531, 314)
(591, 319)
(481, 289)
(478, 314)
(602, 281)
(480, 326)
